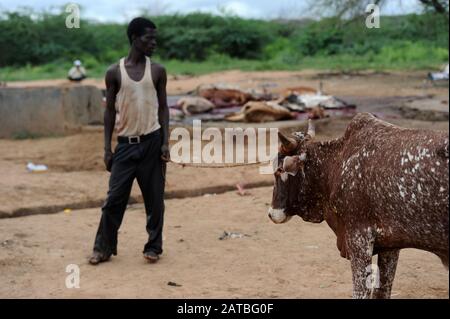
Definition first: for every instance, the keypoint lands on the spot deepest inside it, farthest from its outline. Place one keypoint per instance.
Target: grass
(404, 56)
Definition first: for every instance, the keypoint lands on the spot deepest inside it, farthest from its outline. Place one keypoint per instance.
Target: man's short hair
(137, 27)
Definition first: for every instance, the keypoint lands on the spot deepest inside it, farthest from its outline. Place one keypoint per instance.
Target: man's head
(142, 35)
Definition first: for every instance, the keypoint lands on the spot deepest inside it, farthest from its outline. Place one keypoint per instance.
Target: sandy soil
(76, 177)
(369, 84)
(297, 260)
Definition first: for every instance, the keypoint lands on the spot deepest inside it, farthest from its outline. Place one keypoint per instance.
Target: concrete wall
(48, 110)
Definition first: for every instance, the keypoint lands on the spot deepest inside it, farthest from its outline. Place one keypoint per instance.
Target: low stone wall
(48, 110)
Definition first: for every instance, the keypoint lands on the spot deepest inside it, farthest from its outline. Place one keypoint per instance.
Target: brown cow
(299, 91)
(260, 112)
(226, 97)
(380, 188)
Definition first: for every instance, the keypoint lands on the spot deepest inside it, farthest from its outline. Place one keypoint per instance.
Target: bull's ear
(288, 144)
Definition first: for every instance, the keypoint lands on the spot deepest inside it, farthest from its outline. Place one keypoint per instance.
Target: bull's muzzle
(278, 216)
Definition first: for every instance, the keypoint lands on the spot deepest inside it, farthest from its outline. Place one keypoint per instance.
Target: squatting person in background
(77, 73)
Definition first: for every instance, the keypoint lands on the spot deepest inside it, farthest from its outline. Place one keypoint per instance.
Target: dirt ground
(367, 83)
(297, 260)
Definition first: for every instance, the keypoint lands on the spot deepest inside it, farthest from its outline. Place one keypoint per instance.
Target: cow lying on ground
(226, 97)
(260, 112)
(299, 91)
(194, 105)
(380, 188)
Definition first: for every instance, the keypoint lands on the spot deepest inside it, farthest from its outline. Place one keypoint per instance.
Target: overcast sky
(123, 10)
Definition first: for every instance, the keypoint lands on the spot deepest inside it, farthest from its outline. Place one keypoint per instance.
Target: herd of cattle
(257, 106)
(380, 188)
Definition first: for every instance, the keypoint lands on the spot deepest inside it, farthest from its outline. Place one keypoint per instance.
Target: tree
(440, 6)
(356, 8)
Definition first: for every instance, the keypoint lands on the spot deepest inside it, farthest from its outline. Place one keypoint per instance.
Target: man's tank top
(136, 103)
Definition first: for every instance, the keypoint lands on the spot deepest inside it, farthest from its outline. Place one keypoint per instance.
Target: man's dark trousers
(143, 162)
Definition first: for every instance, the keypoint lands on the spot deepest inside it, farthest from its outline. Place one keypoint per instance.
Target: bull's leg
(360, 246)
(387, 264)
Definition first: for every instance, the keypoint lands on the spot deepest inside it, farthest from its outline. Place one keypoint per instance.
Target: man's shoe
(151, 256)
(98, 257)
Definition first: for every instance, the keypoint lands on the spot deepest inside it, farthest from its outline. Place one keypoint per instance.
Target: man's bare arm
(109, 117)
(163, 111)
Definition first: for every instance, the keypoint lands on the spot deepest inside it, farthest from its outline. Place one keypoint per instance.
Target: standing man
(136, 94)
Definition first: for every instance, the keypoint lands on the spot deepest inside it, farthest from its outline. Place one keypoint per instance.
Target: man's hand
(165, 153)
(108, 158)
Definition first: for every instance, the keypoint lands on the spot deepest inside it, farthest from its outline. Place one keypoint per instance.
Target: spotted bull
(380, 188)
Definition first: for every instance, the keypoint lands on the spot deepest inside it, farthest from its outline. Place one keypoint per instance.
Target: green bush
(409, 52)
(191, 44)
(319, 38)
(43, 46)
(242, 39)
(273, 49)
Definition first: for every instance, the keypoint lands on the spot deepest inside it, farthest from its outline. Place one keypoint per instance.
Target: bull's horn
(287, 143)
(302, 157)
(311, 129)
